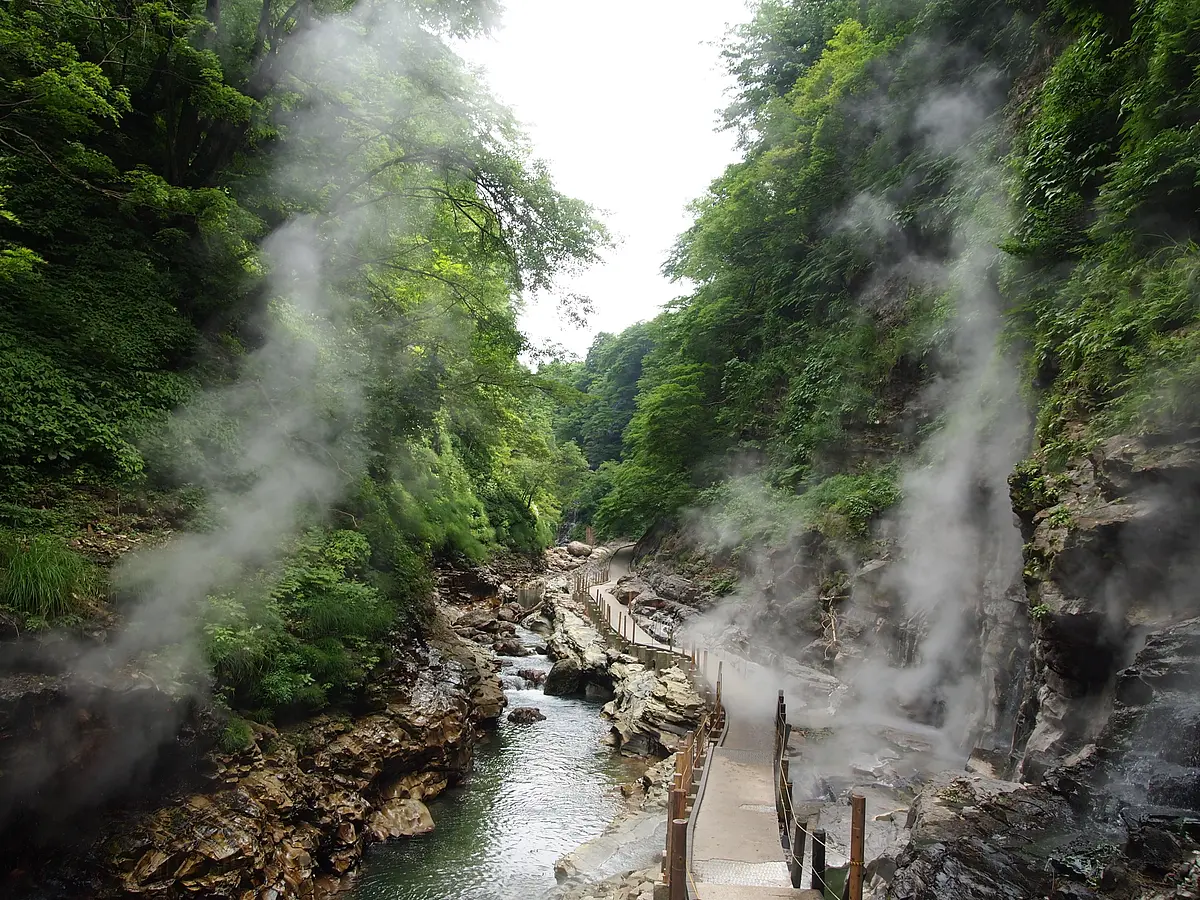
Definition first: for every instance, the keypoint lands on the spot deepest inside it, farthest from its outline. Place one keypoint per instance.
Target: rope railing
(793, 830)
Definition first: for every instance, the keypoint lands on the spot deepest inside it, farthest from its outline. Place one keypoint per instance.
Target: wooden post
(818, 873)
(796, 863)
(858, 830)
(678, 873)
(704, 662)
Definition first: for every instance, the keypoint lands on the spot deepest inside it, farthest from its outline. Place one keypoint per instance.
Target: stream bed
(537, 792)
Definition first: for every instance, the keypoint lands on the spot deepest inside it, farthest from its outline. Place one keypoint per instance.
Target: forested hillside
(260, 266)
(972, 206)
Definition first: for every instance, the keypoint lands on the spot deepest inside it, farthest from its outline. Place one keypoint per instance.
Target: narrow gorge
(390, 390)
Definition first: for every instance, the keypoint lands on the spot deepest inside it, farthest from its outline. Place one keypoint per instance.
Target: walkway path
(736, 852)
(618, 567)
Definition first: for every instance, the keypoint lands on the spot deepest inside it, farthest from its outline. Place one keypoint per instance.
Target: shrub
(236, 736)
(40, 576)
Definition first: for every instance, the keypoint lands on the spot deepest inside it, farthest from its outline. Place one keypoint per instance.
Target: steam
(291, 408)
(954, 565)
(274, 449)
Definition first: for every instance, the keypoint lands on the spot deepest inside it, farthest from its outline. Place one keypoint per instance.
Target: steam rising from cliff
(955, 550)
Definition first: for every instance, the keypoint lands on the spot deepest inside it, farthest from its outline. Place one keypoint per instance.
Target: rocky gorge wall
(1077, 671)
(287, 817)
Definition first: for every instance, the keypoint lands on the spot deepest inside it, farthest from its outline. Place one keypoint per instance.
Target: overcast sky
(621, 99)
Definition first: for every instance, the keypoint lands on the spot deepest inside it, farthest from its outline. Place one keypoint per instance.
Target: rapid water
(537, 792)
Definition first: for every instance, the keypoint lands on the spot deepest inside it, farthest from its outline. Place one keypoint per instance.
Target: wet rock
(534, 677)
(1110, 543)
(976, 837)
(400, 818)
(510, 646)
(564, 679)
(540, 622)
(579, 549)
(1155, 850)
(525, 715)
(1148, 752)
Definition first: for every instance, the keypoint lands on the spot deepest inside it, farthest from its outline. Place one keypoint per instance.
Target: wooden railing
(690, 761)
(693, 751)
(793, 825)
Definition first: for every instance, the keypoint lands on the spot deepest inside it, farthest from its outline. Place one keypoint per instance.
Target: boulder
(972, 836)
(576, 638)
(532, 676)
(677, 588)
(564, 679)
(400, 818)
(525, 715)
(579, 549)
(510, 646)
(510, 612)
(652, 709)
(479, 619)
(630, 588)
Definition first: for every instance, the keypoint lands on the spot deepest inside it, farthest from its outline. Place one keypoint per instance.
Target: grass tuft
(41, 576)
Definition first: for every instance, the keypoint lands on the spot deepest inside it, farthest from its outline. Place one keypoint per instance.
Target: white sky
(620, 98)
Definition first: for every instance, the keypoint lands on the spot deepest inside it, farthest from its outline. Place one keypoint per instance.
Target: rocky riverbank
(651, 709)
(288, 816)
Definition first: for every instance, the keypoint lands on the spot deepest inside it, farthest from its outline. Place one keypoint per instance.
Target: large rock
(510, 646)
(526, 715)
(1148, 752)
(576, 638)
(975, 837)
(400, 818)
(677, 588)
(1110, 548)
(564, 679)
(652, 709)
(579, 549)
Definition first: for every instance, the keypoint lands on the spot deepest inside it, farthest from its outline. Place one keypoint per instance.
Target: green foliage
(309, 634)
(810, 329)
(745, 512)
(1110, 184)
(41, 577)
(844, 506)
(236, 736)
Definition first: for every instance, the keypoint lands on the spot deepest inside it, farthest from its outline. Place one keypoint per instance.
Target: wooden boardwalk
(735, 850)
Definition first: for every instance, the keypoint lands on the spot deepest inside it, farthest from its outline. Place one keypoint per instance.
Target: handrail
(692, 755)
(793, 832)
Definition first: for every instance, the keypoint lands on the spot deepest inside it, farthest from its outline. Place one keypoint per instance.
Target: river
(536, 793)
